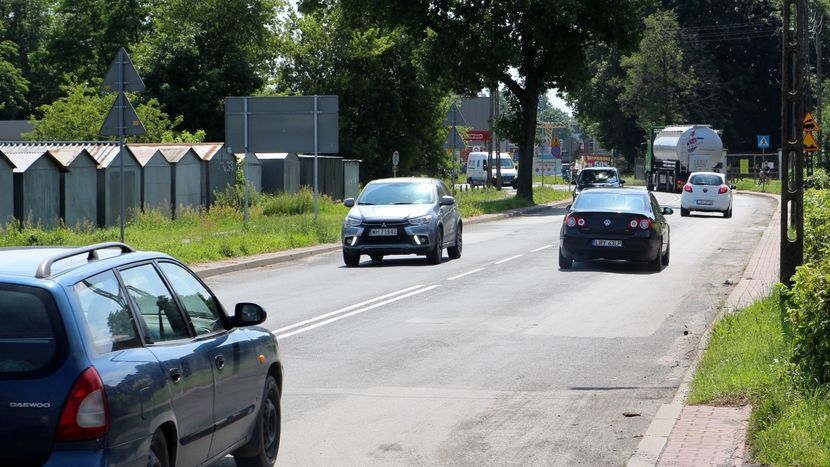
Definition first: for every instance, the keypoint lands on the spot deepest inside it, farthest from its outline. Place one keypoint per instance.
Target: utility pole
(794, 56)
(817, 38)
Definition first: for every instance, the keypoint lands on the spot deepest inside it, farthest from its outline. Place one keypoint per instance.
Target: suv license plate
(383, 232)
(612, 243)
(704, 202)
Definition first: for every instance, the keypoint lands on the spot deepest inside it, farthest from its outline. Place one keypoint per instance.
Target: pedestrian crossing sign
(763, 141)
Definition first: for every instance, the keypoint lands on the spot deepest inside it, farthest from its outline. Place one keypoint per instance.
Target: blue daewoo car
(111, 356)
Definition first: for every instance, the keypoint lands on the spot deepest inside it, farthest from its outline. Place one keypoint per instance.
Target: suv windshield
(589, 177)
(397, 193)
(32, 340)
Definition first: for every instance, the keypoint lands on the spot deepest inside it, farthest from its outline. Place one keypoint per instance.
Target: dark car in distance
(402, 216)
(597, 177)
(112, 356)
(616, 224)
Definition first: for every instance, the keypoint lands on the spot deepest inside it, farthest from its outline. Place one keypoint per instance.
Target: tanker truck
(677, 151)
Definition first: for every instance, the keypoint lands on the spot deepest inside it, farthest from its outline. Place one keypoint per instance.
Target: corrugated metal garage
(219, 170)
(78, 207)
(254, 170)
(109, 187)
(329, 174)
(6, 193)
(186, 177)
(155, 178)
(280, 172)
(37, 185)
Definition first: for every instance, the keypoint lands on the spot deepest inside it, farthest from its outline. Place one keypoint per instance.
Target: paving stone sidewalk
(700, 435)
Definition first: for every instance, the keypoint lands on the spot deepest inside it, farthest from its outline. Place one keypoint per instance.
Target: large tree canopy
(528, 46)
(386, 102)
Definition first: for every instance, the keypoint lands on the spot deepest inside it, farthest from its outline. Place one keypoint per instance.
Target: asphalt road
(498, 358)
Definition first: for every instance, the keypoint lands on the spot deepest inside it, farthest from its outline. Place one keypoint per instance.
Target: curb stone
(659, 433)
(215, 268)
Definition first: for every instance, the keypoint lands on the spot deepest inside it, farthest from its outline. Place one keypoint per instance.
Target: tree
(473, 45)
(200, 52)
(25, 23)
(79, 114)
(658, 81)
(597, 107)
(13, 86)
(386, 102)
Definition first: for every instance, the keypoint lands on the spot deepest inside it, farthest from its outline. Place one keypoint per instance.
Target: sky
(558, 102)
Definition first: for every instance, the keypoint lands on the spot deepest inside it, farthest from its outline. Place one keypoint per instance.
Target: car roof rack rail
(45, 267)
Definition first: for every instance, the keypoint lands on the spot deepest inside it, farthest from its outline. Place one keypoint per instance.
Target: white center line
(355, 312)
(465, 274)
(345, 309)
(508, 259)
(540, 249)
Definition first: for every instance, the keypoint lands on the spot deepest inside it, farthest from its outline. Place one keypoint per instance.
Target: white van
(477, 169)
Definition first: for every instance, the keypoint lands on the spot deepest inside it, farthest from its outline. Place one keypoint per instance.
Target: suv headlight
(352, 222)
(423, 220)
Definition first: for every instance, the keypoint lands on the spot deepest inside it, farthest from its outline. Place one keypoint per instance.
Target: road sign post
(122, 119)
(396, 158)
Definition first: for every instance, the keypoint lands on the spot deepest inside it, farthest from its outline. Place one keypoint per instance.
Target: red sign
(475, 136)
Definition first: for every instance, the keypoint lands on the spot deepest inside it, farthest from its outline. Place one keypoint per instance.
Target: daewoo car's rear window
(32, 340)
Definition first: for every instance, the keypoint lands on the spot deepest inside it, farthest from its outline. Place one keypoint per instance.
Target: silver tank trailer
(696, 147)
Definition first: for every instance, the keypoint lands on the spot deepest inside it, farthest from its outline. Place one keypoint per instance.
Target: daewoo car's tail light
(573, 221)
(687, 188)
(723, 189)
(85, 415)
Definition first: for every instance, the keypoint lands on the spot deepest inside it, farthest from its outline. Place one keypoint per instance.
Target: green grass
(748, 361)
(275, 223)
(749, 184)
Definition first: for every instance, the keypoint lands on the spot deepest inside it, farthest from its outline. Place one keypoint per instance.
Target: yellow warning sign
(810, 123)
(554, 141)
(810, 144)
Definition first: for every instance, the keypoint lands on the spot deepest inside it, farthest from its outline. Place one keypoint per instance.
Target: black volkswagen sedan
(615, 223)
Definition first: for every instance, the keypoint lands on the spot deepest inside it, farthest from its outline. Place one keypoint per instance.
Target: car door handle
(220, 361)
(175, 374)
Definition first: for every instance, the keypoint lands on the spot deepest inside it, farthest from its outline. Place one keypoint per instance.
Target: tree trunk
(528, 103)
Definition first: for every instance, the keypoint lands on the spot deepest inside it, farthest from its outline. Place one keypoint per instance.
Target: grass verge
(275, 223)
(747, 361)
(749, 184)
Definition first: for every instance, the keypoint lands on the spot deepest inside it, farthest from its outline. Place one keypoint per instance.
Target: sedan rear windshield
(32, 341)
(397, 193)
(591, 200)
(706, 180)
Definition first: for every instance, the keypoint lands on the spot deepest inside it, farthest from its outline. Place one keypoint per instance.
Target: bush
(809, 313)
(816, 225)
(819, 180)
(234, 197)
(286, 204)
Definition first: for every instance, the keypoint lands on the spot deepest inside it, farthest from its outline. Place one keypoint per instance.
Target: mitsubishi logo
(706, 190)
(383, 224)
(607, 222)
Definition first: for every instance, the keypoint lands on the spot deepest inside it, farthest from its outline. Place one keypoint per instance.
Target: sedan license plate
(611, 243)
(383, 232)
(704, 202)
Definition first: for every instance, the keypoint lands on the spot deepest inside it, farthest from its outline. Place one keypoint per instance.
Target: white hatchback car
(706, 191)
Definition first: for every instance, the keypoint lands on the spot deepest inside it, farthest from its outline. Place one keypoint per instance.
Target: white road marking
(540, 249)
(345, 309)
(507, 259)
(465, 274)
(420, 289)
